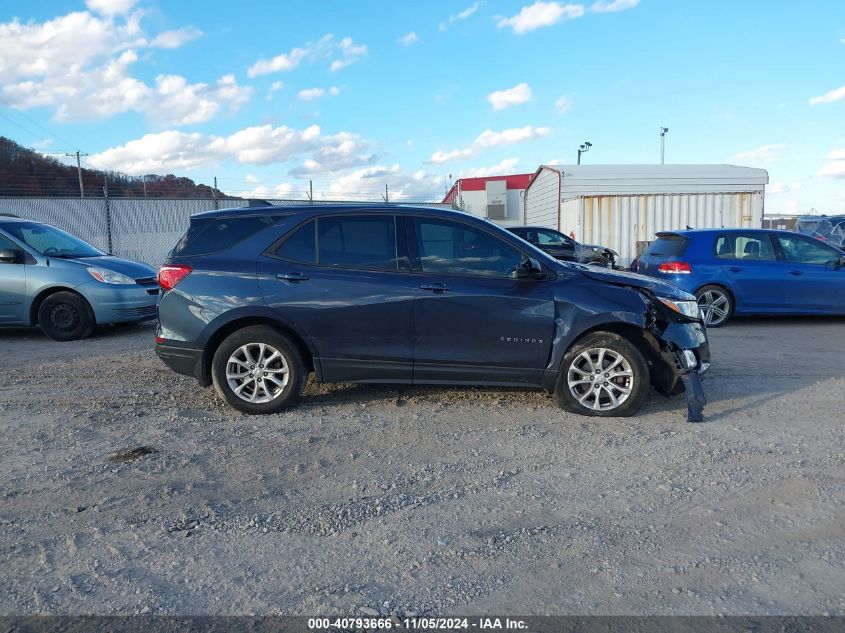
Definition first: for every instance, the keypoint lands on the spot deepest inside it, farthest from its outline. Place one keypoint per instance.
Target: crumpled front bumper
(685, 350)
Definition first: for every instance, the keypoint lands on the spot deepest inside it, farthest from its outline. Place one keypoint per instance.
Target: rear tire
(603, 375)
(65, 316)
(258, 370)
(716, 305)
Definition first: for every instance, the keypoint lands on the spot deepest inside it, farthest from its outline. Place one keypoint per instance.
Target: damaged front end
(675, 331)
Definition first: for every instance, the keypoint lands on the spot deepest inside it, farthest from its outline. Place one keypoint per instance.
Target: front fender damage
(679, 342)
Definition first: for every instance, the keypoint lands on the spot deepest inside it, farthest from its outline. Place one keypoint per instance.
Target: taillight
(675, 268)
(169, 276)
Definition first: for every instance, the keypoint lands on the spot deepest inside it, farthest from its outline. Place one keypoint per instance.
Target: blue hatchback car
(55, 280)
(749, 271)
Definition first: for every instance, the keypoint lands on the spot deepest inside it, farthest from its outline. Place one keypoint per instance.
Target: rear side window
(744, 246)
(667, 246)
(366, 241)
(210, 235)
(301, 246)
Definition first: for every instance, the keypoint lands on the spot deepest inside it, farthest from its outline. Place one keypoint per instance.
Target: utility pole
(144, 181)
(386, 197)
(79, 171)
(585, 147)
(663, 131)
(311, 191)
(214, 193)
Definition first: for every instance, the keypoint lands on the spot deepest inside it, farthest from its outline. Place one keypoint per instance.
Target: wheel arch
(216, 337)
(47, 292)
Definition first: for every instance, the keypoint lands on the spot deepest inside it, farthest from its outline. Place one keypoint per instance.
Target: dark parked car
(750, 271)
(255, 299)
(55, 280)
(563, 247)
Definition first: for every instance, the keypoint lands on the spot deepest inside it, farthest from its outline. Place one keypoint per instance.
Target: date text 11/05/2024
(417, 623)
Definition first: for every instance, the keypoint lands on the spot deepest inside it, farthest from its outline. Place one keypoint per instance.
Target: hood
(622, 278)
(127, 267)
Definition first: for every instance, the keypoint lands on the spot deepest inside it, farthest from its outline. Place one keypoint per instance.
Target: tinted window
(210, 235)
(301, 246)
(806, 251)
(667, 246)
(744, 246)
(552, 238)
(365, 241)
(457, 249)
(7, 244)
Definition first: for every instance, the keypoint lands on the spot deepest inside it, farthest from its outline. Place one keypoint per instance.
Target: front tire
(603, 375)
(65, 316)
(258, 370)
(716, 305)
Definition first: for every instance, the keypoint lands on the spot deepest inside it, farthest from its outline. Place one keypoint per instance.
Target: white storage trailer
(620, 205)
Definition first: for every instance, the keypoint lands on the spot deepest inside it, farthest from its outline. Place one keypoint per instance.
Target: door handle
(292, 276)
(735, 269)
(436, 287)
(796, 272)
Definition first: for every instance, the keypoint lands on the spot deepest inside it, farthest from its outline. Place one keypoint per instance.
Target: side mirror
(529, 268)
(11, 256)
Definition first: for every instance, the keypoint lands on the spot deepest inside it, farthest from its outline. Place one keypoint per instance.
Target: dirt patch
(421, 500)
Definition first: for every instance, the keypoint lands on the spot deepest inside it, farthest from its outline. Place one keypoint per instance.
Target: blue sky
(352, 95)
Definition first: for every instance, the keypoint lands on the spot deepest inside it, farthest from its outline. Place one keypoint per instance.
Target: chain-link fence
(142, 229)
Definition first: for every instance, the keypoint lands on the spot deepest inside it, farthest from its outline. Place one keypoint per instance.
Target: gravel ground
(125, 488)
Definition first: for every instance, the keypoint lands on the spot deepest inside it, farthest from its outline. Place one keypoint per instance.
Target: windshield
(50, 241)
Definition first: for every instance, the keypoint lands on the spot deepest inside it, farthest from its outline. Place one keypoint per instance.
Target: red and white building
(498, 198)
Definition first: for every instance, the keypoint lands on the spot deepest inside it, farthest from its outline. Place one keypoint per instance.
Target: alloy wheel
(600, 379)
(257, 372)
(715, 306)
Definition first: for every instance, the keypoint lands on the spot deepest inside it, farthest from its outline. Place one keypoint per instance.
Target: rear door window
(301, 245)
(667, 246)
(357, 241)
(745, 246)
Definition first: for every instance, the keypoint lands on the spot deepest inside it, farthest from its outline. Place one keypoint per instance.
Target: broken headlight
(687, 308)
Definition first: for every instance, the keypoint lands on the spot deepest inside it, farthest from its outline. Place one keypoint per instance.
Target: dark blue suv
(255, 299)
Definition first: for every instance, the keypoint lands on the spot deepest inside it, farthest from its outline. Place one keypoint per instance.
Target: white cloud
(777, 188)
(463, 15)
(80, 66)
(489, 138)
(259, 145)
(282, 191)
(110, 7)
(276, 86)
(836, 167)
(611, 6)
(408, 39)
(309, 94)
(563, 105)
(175, 38)
(343, 52)
(250, 179)
(517, 95)
(764, 155)
(441, 156)
(505, 166)
(829, 97)
(369, 182)
(541, 14)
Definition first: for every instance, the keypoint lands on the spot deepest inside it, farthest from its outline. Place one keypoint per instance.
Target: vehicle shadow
(23, 333)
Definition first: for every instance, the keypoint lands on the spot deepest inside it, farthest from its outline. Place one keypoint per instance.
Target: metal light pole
(663, 131)
(583, 149)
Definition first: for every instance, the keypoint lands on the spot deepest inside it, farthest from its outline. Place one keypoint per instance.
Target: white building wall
(475, 202)
(619, 222)
(541, 199)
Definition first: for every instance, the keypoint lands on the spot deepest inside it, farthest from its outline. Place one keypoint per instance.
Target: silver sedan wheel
(715, 307)
(600, 379)
(257, 372)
